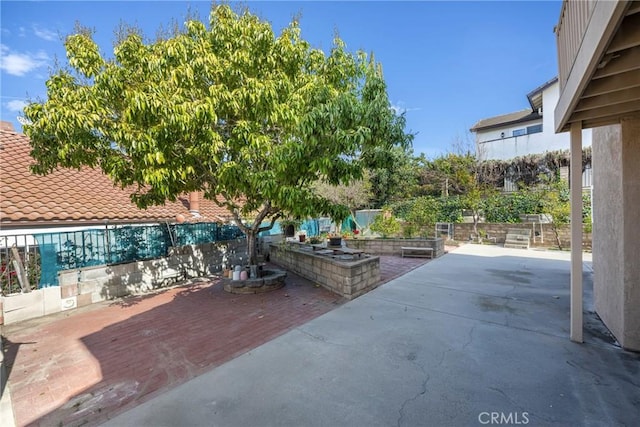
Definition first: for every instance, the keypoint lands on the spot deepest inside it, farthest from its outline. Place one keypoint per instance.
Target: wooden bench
(418, 252)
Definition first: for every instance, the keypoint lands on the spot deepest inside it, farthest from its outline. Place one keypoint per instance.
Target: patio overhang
(599, 72)
(599, 62)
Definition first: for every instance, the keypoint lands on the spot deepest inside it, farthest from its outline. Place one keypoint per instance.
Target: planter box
(347, 278)
(394, 246)
(335, 241)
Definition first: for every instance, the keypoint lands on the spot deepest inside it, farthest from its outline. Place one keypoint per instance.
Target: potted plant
(315, 240)
(335, 239)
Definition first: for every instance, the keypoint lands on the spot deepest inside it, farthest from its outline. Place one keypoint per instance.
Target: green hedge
(502, 208)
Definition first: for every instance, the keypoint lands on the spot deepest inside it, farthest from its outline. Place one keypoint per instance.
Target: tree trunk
(252, 256)
(555, 232)
(476, 219)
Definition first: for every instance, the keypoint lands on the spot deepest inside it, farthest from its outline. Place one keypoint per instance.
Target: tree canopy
(249, 117)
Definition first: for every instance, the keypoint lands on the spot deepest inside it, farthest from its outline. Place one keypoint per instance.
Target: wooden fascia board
(610, 110)
(622, 81)
(627, 36)
(607, 99)
(628, 60)
(605, 19)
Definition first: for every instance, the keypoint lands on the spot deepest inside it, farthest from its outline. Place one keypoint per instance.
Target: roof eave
(533, 116)
(538, 90)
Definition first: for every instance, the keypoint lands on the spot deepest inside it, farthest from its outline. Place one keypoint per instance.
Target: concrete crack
(520, 407)
(464, 347)
(422, 391)
(513, 402)
(321, 338)
(423, 388)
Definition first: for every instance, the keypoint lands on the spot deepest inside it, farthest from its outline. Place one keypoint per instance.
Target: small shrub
(385, 224)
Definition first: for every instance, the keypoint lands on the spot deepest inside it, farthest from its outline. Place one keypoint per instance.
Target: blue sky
(447, 64)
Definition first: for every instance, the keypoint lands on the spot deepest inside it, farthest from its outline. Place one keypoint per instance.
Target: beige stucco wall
(631, 241)
(616, 229)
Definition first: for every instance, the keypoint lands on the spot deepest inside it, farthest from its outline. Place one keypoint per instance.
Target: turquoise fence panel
(274, 231)
(229, 232)
(195, 234)
(204, 232)
(71, 250)
(348, 225)
(136, 243)
(311, 227)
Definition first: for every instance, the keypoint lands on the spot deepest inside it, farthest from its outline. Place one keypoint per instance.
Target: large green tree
(249, 117)
(396, 182)
(449, 174)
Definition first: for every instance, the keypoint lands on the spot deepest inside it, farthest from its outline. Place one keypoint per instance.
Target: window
(534, 129)
(519, 132)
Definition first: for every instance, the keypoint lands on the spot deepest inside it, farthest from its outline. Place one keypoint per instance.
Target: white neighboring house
(529, 131)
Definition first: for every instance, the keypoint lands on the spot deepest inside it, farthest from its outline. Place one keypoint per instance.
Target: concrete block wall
(499, 231)
(81, 287)
(348, 279)
(393, 246)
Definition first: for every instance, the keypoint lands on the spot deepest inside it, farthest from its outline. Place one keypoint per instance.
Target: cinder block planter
(347, 278)
(394, 246)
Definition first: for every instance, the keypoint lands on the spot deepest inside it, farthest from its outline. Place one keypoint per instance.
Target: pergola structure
(599, 71)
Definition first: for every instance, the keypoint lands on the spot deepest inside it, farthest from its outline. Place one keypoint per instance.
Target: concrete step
(517, 240)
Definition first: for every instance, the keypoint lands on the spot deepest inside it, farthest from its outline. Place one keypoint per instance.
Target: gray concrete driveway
(477, 337)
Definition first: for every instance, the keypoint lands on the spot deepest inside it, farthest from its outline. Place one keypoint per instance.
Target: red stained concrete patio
(84, 367)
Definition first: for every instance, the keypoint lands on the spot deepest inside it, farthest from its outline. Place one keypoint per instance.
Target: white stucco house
(528, 131)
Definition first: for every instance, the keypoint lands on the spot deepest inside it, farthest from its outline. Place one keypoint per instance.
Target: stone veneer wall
(393, 246)
(461, 232)
(81, 287)
(349, 279)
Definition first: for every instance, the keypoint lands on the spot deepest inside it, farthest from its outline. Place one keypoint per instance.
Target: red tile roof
(74, 197)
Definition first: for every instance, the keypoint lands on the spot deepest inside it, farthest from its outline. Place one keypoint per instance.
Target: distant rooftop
(526, 115)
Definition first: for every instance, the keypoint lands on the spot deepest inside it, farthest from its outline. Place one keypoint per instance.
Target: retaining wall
(394, 246)
(461, 232)
(81, 287)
